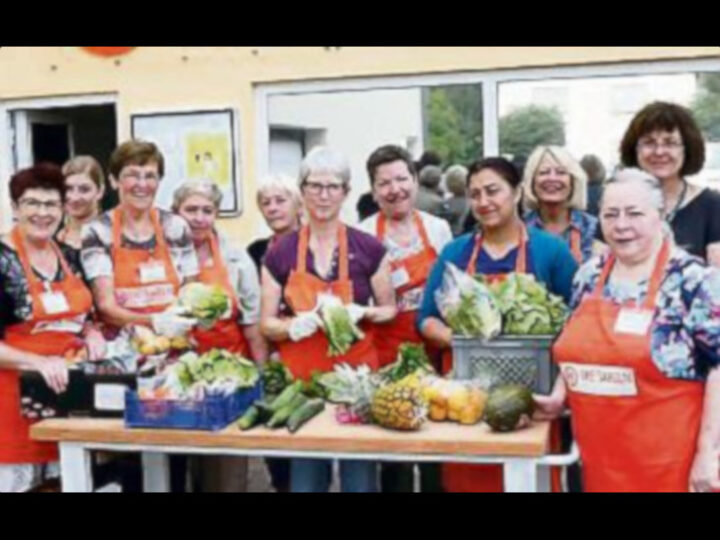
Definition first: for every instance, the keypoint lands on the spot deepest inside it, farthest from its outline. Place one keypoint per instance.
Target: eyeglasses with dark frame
(315, 188)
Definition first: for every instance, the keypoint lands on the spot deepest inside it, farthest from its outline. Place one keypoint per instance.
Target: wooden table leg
(156, 472)
(75, 468)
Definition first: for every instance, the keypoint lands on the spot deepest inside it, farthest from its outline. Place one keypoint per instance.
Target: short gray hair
(430, 176)
(456, 179)
(632, 175)
(282, 183)
(325, 159)
(204, 187)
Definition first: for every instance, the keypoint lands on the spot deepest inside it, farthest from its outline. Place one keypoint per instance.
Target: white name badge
(151, 272)
(633, 321)
(109, 397)
(54, 302)
(599, 380)
(400, 277)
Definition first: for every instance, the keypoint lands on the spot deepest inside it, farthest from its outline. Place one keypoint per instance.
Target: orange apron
(575, 248)
(301, 291)
(458, 477)
(153, 292)
(226, 333)
(636, 428)
(413, 271)
(15, 443)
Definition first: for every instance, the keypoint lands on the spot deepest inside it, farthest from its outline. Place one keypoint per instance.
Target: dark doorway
(50, 143)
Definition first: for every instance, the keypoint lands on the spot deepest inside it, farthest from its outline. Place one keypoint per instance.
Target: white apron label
(152, 272)
(633, 321)
(161, 294)
(400, 277)
(599, 380)
(54, 303)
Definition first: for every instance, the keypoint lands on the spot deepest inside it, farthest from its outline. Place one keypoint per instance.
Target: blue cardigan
(550, 261)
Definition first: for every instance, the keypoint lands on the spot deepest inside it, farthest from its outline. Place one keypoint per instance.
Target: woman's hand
(548, 407)
(96, 345)
(705, 471)
(54, 370)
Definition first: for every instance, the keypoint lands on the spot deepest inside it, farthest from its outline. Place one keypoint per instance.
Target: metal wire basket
(507, 359)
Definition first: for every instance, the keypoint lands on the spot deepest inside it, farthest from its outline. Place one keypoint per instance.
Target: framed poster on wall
(196, 145)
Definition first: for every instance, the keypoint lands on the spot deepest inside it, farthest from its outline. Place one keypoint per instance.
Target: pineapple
(400, 405)
(353, 389)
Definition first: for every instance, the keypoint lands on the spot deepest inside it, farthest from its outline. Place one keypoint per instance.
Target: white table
(522, 453)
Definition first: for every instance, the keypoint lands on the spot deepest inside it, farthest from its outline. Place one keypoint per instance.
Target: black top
(14, 294)
(257, 250)
(698, 224)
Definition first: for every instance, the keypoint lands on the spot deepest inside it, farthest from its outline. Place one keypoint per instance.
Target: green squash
(506, 404)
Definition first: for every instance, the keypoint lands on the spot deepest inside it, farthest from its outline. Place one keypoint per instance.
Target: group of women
(638, 357)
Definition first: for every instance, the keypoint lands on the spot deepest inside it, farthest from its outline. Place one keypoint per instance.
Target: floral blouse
(685, 332)
(586, 223)
(14, 294)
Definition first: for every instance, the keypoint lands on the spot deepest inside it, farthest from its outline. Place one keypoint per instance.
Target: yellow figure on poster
(208, 156)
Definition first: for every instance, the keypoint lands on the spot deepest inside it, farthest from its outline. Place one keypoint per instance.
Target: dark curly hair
(661, 115)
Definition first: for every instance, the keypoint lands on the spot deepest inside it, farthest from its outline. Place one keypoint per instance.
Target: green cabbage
(467, 305)
(527, 306)
(339, 327)
(206, 303)
(214, 366)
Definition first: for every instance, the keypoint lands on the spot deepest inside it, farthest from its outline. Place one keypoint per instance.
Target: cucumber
(281, 415)
(286, 396)
(264, 410)
(250, 419)
(304, 413)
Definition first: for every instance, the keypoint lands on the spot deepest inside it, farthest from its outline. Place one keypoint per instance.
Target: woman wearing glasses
(135, 256)
(325, 256)
(664, 140)
(43, 321)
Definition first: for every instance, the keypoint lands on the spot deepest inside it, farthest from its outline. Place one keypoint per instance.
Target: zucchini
(250, 419)
(281, 415)
(304, 413)
(286, 396)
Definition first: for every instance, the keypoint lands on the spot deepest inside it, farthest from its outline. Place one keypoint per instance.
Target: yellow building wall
(151, 79)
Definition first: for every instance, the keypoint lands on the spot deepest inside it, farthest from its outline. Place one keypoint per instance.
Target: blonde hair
(85, 165)
(206, 188)
(578, 177)
(279, 182)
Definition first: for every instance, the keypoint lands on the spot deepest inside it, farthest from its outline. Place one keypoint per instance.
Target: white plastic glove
(356, 312)
(172, 323)
(304, 325)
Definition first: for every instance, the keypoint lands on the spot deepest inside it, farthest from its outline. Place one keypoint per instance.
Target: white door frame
(7, 138)
(489, 79)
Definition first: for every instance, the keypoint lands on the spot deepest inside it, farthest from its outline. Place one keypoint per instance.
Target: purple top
(364, 251)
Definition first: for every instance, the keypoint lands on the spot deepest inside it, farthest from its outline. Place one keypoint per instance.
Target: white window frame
(7, 155)
(490, 80)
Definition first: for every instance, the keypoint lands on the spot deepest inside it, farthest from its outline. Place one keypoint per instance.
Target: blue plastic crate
(211, 414)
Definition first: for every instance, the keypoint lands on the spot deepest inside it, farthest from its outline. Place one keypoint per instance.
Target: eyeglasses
(648, 147)
(137, 176)
(35, 205)
(315, 189)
